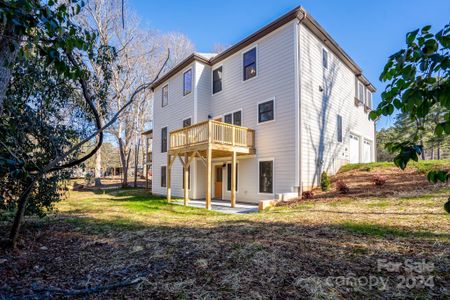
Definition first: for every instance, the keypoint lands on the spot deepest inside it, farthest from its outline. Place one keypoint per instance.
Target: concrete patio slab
(222, 206)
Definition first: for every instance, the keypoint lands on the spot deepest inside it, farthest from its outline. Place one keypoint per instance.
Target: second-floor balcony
(219, 136)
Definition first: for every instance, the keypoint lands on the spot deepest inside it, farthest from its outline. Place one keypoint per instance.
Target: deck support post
(186, 179)
(208, 178)
(233, 180)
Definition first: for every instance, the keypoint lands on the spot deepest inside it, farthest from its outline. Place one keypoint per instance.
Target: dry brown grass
(289, 252)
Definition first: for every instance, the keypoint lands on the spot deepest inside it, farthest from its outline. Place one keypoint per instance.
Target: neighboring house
(298, 102)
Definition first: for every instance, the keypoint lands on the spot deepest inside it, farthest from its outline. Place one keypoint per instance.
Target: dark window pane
(228, 119)
(339, 128)
(164, 140)
(217, 80)
(325, 58)
(237, 118)
(187, 122)
(165, 96)
(229, 177)
(187, 82)
(266, 176)
(265, 111)
(189, 178)
(163, 176)
(250, 64)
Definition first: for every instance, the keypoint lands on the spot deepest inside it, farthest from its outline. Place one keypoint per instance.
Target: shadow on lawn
(231, 259)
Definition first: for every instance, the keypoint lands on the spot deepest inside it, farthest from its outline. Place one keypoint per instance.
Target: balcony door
(218, 182)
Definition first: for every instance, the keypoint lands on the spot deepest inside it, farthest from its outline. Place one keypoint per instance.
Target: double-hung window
(217, 80)
(249, 64)
(369, 99)
(266, 111)
(234, 118)
(325, 58)
(361, 92)
(187, 82)
(165, 95)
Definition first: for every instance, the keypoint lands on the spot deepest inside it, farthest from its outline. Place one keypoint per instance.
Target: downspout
(298, 92)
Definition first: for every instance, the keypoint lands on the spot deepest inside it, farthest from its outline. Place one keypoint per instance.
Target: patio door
(218, 182)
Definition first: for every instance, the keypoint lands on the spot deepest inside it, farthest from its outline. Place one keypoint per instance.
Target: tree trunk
(7, 38)
(22, 204)
(124, 163)
(98, 168)
(439, 151)
(432, 152)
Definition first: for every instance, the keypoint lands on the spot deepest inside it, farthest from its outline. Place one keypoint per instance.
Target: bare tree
(138, 52)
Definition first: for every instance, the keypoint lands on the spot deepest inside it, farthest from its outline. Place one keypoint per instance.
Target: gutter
(299, 93)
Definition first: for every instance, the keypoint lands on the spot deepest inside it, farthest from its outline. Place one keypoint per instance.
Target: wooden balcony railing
(212, 132)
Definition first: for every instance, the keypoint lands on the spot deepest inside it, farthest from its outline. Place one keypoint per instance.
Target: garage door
(354, 149)
(367, 151)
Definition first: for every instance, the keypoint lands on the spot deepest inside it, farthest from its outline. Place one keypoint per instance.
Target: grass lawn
(302, 250)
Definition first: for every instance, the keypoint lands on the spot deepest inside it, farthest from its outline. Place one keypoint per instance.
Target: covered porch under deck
(208, 140)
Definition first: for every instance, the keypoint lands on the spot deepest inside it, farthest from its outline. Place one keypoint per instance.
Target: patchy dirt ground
(126, 244)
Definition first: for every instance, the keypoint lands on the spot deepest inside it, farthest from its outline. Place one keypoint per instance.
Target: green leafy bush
(324, 182)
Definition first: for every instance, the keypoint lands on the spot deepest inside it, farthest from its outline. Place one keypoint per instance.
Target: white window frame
(212, 80)
(274, 111)
(368, 102)
(361, 85)
(192, 83)
(273, 175)
(162, 95)
(257, 62)
(232, 116)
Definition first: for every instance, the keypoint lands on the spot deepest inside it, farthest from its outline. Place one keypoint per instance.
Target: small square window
(217, 80)
(266, 177)
(187, 122)
(187, 82)
(325, 58)
(165, 95)
(237, 118)
(266, 111)
(250, 64)
(228, 118)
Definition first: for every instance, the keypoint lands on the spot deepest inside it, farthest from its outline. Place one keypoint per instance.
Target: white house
(298, 104)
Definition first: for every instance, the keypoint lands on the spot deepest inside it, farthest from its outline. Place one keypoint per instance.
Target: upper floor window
(266, 111)
(217, 80)
(339, 128)
(250, 64)
(361, 92)
(369, 99)
(187, 122)
(234, 118)
(187, 82)
(165, 95)
(164, 140)
(325, 58)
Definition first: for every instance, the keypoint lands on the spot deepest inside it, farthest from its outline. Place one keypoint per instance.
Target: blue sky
(369, 31)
